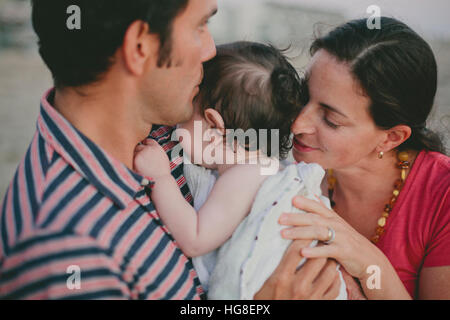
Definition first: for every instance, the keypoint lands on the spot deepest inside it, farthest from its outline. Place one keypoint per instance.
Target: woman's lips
(302, 147)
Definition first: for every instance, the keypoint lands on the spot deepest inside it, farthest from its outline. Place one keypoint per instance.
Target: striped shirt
(72, 212)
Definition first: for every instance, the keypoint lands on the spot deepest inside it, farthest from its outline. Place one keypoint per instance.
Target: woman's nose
(304, 123)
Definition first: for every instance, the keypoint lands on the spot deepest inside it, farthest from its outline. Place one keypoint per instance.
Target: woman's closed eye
(330, 123)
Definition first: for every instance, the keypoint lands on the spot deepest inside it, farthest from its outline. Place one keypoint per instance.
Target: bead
(375, 238)
(403, 156)
(403, 164)
(403, 174)
(380, 231)
(331, 182)
(398, 183)
(382, 221)
(405, 167)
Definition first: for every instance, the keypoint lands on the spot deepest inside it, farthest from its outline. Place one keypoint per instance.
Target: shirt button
(145, 182)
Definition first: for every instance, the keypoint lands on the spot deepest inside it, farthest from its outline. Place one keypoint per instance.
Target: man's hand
(354, 291)
(317, 279)
(151, 160)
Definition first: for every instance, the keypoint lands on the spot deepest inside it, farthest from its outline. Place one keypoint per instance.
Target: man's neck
(105, 116)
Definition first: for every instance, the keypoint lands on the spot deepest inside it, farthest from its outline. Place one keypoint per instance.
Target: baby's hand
(151, 160)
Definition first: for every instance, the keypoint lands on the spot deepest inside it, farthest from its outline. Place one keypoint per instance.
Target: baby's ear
(215, 120)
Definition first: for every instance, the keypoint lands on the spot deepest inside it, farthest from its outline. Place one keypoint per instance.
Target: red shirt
(418, 229)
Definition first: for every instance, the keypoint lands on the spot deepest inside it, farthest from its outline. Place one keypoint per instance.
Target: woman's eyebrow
(332, 109)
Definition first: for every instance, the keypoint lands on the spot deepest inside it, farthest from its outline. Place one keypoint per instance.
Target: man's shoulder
(46, 193)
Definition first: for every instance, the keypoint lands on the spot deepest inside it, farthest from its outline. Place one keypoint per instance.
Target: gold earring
(380, 155)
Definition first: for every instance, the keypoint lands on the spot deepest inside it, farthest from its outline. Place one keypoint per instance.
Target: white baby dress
(239, 268)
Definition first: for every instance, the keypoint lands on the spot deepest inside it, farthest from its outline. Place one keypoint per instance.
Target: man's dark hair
(79, 57)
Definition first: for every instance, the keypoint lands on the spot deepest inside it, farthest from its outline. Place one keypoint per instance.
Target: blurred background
(24, 77)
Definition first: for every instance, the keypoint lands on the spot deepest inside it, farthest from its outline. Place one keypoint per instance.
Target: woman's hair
(253, 86)
(397, 70)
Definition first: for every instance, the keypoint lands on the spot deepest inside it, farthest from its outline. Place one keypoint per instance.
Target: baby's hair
(253, 86)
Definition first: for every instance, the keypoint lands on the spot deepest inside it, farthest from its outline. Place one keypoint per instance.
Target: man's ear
(395, 137)
(139, 47)
(215, 120)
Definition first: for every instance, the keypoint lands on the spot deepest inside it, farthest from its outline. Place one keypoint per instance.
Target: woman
(369, 93)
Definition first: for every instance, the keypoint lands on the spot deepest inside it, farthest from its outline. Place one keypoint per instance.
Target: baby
(247, 87)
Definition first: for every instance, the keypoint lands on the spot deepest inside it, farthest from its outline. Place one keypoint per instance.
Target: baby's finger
(139, 148)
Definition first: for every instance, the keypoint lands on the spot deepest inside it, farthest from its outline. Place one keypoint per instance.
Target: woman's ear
(395, 137)
(215, 120)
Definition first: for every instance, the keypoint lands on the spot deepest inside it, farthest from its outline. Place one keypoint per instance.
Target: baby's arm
(229, 202)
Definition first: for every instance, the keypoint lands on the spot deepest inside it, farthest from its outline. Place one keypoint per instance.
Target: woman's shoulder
(436, 158)
(429, 186)
(435, 167)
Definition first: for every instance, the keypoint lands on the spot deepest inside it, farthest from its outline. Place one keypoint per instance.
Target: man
(76, 221)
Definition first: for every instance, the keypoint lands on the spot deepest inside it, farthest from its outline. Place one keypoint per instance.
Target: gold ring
(331, 236)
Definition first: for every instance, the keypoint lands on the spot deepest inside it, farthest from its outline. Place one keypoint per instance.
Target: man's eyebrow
(210, 14)
(332, 109)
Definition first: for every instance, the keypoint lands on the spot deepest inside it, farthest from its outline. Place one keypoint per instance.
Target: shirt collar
(111, 177)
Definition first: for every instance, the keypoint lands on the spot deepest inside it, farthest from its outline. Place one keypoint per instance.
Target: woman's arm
(434, 283)
(352, 250)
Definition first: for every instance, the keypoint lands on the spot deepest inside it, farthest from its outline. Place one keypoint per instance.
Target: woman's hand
(151, 160)
(352, 250)
(317, 279)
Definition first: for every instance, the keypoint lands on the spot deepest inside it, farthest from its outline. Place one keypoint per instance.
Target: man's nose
(209, 47)
(304, 123)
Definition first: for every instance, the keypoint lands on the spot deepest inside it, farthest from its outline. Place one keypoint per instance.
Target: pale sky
(429, 17)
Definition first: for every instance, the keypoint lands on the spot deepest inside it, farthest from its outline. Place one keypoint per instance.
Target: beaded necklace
(403, 164)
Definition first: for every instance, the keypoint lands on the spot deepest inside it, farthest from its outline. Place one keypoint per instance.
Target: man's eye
(204, 24)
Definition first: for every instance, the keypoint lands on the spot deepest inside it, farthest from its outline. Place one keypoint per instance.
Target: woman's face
(335, 128)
